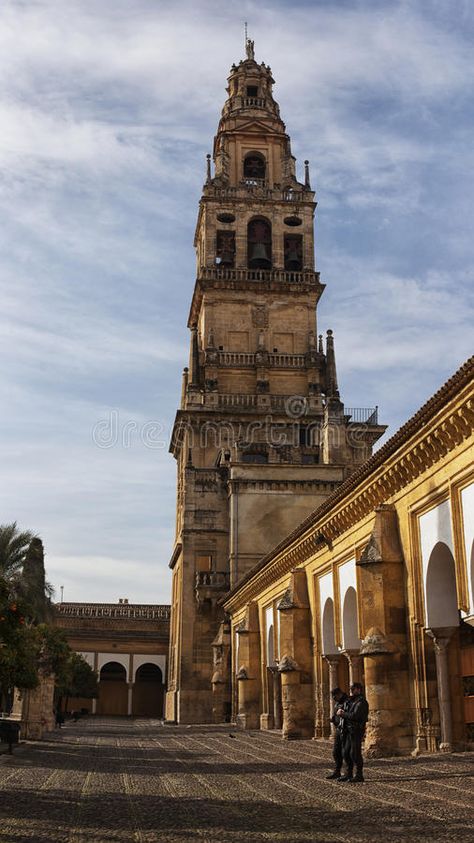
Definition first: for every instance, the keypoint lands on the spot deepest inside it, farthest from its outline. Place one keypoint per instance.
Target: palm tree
(22, 568)
(13, 548)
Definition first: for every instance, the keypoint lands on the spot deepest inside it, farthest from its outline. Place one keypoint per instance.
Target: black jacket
(355, 713)
(339, 721)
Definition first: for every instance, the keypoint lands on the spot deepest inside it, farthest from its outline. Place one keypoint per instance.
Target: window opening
(254, 167)
(225, 248)
(204, 562)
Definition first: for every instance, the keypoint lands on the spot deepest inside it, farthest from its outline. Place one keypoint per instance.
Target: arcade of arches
(127, 645)
(141, 698)
(377, 586)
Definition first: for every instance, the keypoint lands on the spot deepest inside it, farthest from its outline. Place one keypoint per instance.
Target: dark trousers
(353, 752)
(338, 750)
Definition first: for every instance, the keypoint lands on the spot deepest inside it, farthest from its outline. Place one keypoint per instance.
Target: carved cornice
(443, 423)
(111, 611)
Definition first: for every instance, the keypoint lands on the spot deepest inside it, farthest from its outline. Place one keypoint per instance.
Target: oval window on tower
(226, 216)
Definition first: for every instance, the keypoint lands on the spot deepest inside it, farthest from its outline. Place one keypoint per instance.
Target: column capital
(351, 654)
(332, 658)
(441, 636)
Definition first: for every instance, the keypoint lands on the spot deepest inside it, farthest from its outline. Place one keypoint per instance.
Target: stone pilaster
(296, 662)
(382, 591)
(34, 708)
(248, 674)
(221, 690)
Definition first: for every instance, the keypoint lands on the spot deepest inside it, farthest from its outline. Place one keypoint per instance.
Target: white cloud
(107, 110)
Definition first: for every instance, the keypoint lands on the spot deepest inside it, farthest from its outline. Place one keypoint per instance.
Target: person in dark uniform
(339, 699)
(354, 713)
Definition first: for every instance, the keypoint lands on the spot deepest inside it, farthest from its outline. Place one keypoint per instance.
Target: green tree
(19, 648)
(78, 679)
(25, 601)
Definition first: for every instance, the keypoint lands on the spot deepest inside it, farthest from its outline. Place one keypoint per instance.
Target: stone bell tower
(261, 437)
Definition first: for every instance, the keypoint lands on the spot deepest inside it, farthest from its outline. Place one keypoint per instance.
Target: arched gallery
(376, 585)
(127, 645)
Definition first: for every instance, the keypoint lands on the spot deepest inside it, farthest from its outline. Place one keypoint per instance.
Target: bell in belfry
(293, 259)
(259, 256)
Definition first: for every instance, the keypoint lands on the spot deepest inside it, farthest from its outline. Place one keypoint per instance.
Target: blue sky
(107, 111)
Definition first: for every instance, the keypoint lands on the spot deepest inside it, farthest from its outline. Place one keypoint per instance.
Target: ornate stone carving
(376, 643)
(287, 665)
(371, 552)
(260, 316)
(242, 674)
(286, 601)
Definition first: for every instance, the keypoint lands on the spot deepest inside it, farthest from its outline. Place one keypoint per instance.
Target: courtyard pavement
(108, 779)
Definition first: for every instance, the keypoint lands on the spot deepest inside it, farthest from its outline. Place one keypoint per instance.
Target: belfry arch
(259, 243)
(254, 167)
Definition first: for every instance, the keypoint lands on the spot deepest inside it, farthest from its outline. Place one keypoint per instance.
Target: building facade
(261, 436)
(376, 585)
(127, 645)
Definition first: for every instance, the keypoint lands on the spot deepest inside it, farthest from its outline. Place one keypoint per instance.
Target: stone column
(355, 661)
(383, 624)
(248, 694)
(94, 705)
(277, 705)
(294, 709)
(379, 653)
(333, 663)
(441, 637)
(221, 679)
(130, 698)
(267, 720)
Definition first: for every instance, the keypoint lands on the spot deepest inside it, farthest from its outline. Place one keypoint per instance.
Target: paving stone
(122, 780)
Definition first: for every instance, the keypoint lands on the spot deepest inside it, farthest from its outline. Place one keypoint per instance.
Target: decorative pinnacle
(208, 175)
(307, 182)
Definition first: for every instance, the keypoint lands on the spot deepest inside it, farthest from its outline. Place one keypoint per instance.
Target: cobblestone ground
(136, 780)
